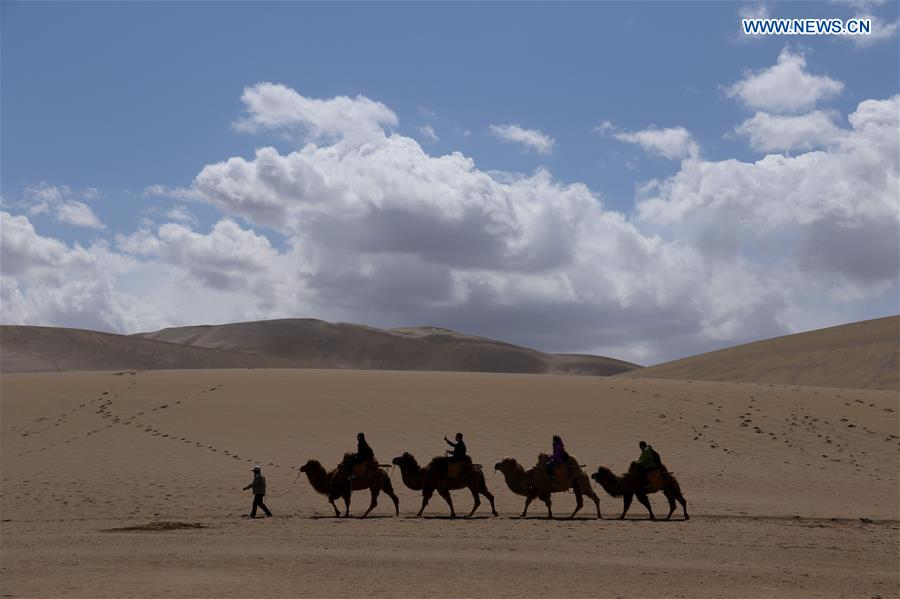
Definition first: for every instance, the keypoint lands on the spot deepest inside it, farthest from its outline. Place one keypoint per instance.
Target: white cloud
(757, 10)
(222, 258)
(675, 143)
(178, 193)
(181, 214)
(833, 211)
(531, 139)
(881, 31)
(781, 133)
(44, 281)
(604, 127)
(427, 133)
(44, 198)
(381, 232)
(785, 87)
(78, 214)
(273, 106)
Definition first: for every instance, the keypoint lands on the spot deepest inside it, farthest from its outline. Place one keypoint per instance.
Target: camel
(435, 477)
(629, 484)
(536, 482)
(336, 483)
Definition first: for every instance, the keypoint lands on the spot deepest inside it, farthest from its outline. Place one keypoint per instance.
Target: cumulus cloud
(78, 214)
(372, 228)
(675, 143)
(222, 259)
(44, 281)
(44, 198)
(786, 87)
(181, 214)
(781, 133)
(178, 193)
(273, 106)
(819, 206)
(530, 139)
(427, 133)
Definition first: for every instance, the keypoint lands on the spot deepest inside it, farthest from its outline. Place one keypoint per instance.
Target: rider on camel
(559, 456)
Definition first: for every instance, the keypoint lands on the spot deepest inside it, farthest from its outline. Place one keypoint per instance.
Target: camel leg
(476, 500)
(590, 493)
(548, 499)
(337, 512)
(490, 497)
(347, 503)
(683, 503)
(446, 495)
(528, 501)
(626, 503)
(388, 488)
(671, 500)
(643, 499)
(579, 502)
(374, 501)
(426, 497)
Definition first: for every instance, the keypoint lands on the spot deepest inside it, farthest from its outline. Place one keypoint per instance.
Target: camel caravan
(557, 472)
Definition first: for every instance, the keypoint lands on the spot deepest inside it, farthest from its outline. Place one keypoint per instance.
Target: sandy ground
(793, 491)
(859, 355)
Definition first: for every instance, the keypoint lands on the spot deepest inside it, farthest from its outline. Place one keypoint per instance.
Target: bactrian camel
(337, 483)
(436, 477)
(629, 485)
(536, 482)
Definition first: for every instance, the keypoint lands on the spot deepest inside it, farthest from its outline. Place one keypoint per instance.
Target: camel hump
(363, 467)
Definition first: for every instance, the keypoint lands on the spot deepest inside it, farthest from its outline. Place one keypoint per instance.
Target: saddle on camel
(557, 471)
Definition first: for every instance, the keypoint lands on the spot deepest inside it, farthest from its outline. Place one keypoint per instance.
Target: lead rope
(290, 487)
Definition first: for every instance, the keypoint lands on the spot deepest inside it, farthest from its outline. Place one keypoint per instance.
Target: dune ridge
(859, 355)
(288, 343)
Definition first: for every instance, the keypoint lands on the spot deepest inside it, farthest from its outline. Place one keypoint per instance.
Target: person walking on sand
(259, 491)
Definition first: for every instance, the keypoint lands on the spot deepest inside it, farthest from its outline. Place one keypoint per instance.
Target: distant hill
(861, 355)
(319, 344)
(42, 349)
(289, 343)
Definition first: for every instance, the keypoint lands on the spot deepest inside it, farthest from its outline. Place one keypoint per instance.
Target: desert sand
(859, 355)
(129, 484)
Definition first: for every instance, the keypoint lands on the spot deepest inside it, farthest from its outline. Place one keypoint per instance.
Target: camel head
(311, 466)
(406, 458)
(507, 464)
(603, 474)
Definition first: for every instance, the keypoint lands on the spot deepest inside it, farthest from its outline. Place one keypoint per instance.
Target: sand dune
(281, 344)
(315, 343)
(42, 349)
(861, 355)
(129, 485)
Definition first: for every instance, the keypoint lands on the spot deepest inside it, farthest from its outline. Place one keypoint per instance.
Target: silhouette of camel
(337, 483)
(630, 484)
(536, 482)
(436, 477)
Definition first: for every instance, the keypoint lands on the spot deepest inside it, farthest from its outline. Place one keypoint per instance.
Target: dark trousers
(258, 502)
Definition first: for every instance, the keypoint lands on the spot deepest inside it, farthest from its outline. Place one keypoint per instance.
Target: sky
(639, 180)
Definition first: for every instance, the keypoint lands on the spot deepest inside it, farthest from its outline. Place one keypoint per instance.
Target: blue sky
(116, 98)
